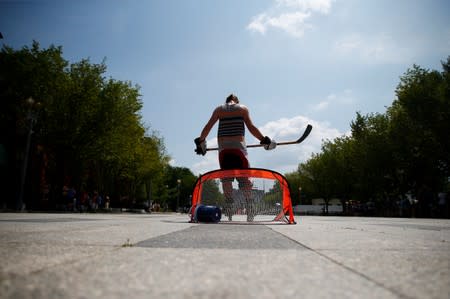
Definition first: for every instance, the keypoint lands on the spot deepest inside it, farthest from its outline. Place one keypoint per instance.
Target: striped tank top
(231, 124)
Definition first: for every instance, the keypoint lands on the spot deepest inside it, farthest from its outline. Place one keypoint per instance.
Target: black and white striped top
(231, 126)
(231, 123)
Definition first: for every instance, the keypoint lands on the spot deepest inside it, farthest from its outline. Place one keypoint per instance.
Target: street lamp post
(31, 117)
(299, 194)
(149, 196)
(178, 195)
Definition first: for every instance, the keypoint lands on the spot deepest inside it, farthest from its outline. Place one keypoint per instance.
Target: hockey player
(233, 118)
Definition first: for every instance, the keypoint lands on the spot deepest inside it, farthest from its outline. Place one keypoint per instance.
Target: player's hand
(268, 143)
(200, 146)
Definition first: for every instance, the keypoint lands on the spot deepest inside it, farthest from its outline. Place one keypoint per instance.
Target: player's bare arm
(214, 118)
(251, 127)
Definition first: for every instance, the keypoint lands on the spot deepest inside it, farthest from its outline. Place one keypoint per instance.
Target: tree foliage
(387, 156)
(87, 132)
(179, 182)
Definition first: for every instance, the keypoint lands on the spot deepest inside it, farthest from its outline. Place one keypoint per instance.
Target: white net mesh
(244, 198)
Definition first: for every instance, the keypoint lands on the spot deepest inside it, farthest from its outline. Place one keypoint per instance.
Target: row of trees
(405, 150)
(79, 129)
(66, 124)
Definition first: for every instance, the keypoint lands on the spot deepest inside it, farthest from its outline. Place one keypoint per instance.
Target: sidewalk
(164, 256)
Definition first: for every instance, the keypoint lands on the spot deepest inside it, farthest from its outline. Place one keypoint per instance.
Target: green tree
(88, 132)
(317, 178)
(387, 155)
(342, 149)
(28, 72)
(179, 181)
(420, 125)
(371, 155)
(295, 184)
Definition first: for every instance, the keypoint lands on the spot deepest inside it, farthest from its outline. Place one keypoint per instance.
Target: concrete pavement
(164, 256)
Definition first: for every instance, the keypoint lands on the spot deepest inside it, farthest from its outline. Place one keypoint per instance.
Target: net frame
(286, 213)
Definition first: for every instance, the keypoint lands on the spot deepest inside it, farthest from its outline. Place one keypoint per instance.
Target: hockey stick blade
(300, 140)
(303, 137)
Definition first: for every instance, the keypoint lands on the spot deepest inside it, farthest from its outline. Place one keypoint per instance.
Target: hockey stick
(300, 140)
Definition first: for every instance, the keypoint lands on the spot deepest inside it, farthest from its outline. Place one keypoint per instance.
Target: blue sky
(292, 62)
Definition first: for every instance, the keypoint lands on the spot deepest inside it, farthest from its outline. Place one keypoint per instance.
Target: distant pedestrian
(71, 198)
(442, 205)
(94, 201)
(107, 202)
(425, 198)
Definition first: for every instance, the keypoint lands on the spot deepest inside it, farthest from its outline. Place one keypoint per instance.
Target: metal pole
(31, 118)
(178, 196)
(299, 195)
(149, 198)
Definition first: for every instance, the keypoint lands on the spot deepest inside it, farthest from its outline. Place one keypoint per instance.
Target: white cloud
(345, 97)
(292, 23)
(380, 48)
(259, 24)
(206, 163)
(322, 6)
(287, 158)
(321, 105)
(284, 158)
(290, 16)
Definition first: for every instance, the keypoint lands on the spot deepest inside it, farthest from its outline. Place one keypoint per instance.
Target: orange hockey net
(245, 195)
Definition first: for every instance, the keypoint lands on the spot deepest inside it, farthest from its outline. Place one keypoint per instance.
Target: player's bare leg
(245, 185)
(228, 193)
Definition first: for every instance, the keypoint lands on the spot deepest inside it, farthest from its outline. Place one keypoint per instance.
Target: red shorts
(233, 159)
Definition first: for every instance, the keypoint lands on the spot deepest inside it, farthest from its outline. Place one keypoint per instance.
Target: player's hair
(233, 98)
